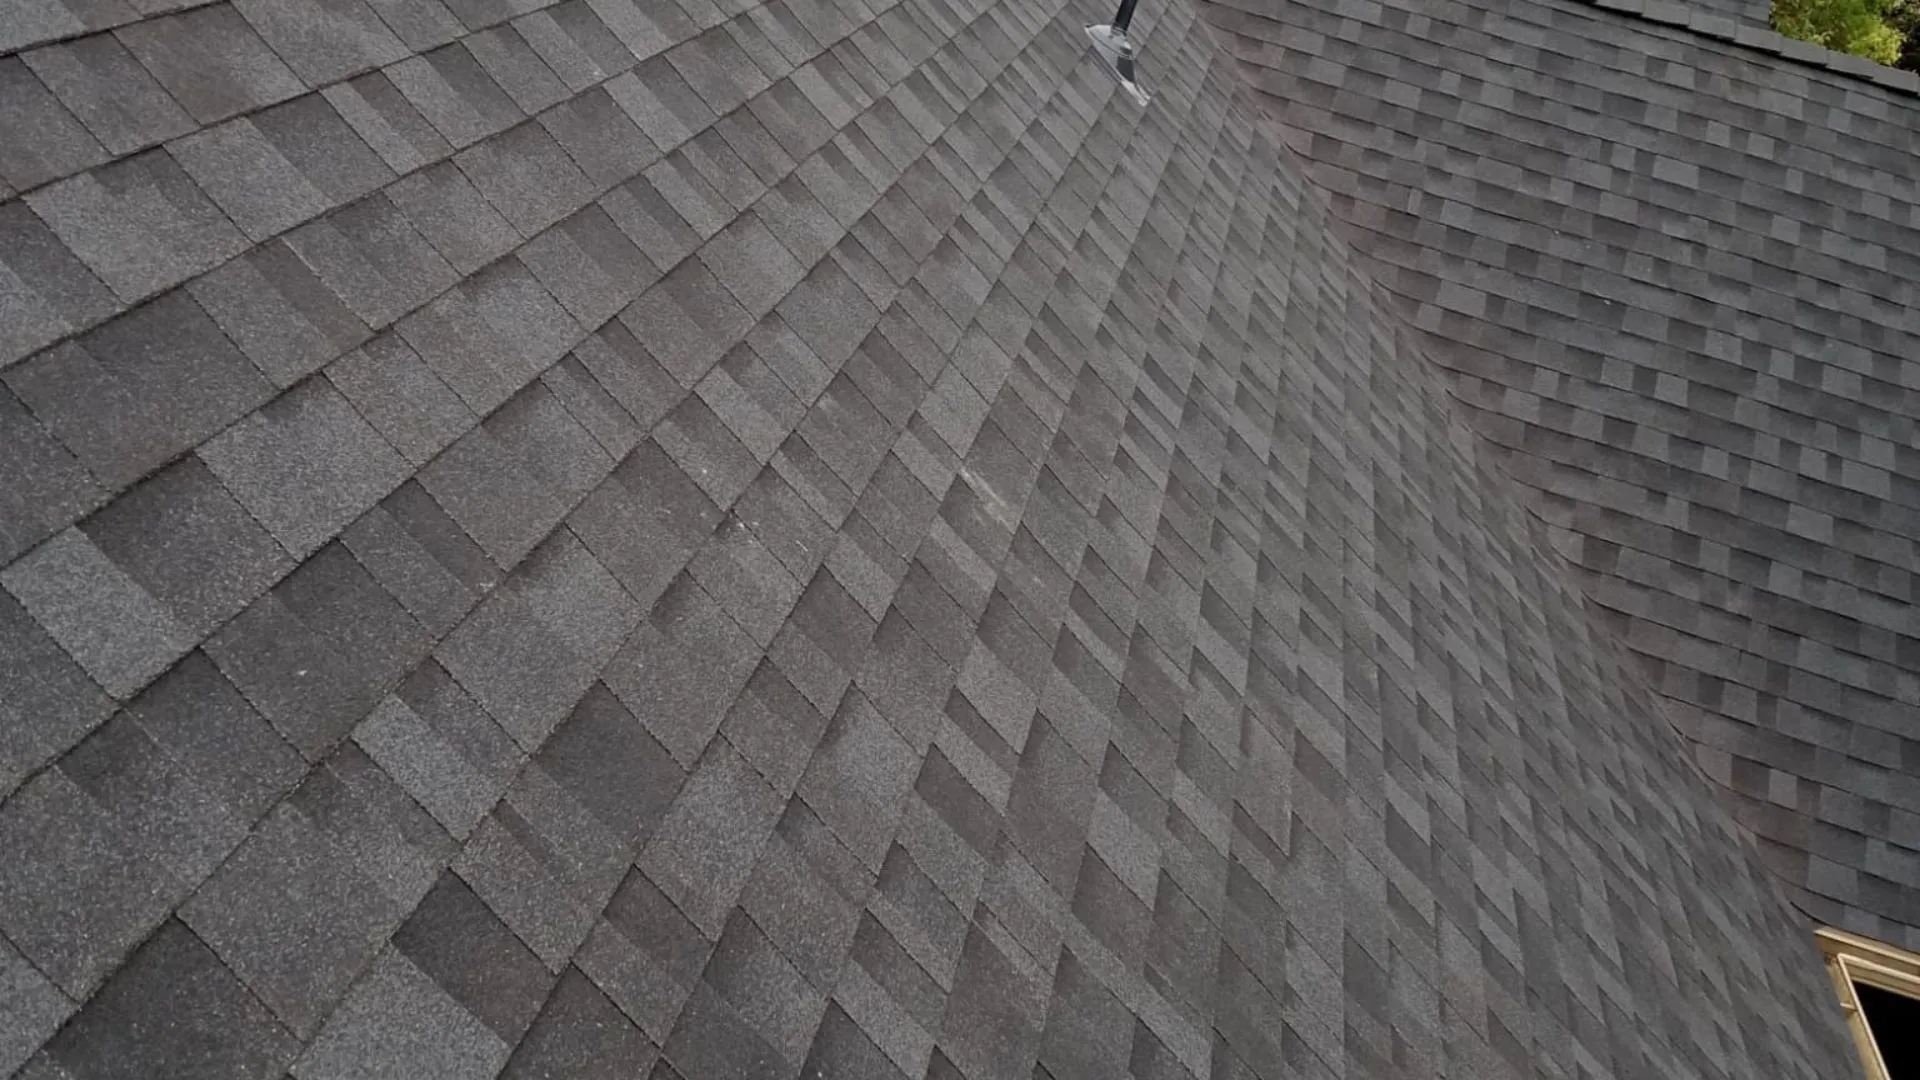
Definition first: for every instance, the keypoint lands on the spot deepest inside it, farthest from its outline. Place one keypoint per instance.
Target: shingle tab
(387, 122)
(50, 703)
(324, 41)
(401, 397)
(140, 389)
(48, 292)
(185, 540)
(279, 312)
(39, 139)
(174, 1009)
(454, 217)
(527, 177)
(305, 465)
(397, 1018)
(250, 179)
(211, 61)
(141, 224)
(60, 846)
(102, 84)
(319, 651)
(43, 487)
(114, 628)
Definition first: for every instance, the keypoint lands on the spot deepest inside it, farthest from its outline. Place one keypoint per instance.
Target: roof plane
(718, 540)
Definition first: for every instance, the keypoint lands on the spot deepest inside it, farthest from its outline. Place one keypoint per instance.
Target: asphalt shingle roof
(705, 540)
(1674, 278)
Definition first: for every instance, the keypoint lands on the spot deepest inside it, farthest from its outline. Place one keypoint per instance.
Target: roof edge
(1723, 28)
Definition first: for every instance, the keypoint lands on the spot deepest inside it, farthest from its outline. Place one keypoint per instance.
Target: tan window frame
(1853, 959)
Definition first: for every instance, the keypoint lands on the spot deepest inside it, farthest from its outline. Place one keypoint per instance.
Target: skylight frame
(1854, 959)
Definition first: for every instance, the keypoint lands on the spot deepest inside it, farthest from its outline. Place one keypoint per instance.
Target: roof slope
(1677, 280)
(582, 540)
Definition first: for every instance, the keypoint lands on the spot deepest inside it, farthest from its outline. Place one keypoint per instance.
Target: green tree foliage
(1861, 27)
(1904, 16)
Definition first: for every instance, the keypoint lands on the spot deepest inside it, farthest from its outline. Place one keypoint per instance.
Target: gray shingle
(211, 61)
(429, 765)
(60, 846)
(387, 122)
(374, 259)
(48, 703)
(422, 24)
(646, 216)
(716, 69)
(492, 335)
(517, 663)
(687, 321)
(604, 756)
(398, 1022)
(463, 947)
(102, 84)
(703, 446)
(39, 20)
(681, 669)
(305, 465)
(706, 848)
(136, 391)
(660, 102)
(589, 265)
(622, 968)
(32, 1007)
(629, 373)
(46, 292)
(117, 631)
(738, 571)
(479, 14)
(589, 403)
(440, 745)
(324, 41)
(404, 400)
(691, 194)
(601, 139)
(830, 313)
(140, 223)
(42, 487)
(519, 70)
(643, 33)
(575, 44)
(159, 807)
(216, 738)
(645, 521)
(752, 263)
(580, 1033)
(544, 865)
(242, 170)
(713, 1040)
(497, 481)
(173, 1010)
(181, 537)
(39, 139)
(455, 217)
(323, 147)
(320, 650)
(280, 314)
(858, 777)
(527, 177)
(450, 88)
(765, 989)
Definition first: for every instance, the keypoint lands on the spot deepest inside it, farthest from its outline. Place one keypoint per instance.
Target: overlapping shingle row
(1675, 280)
(619, 539)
